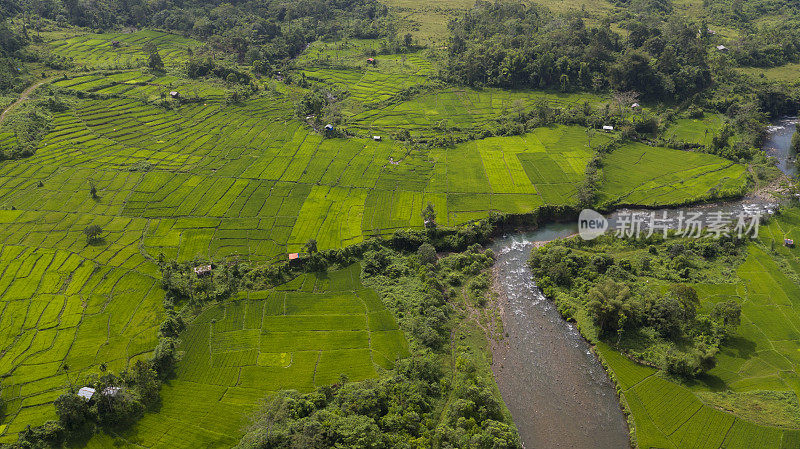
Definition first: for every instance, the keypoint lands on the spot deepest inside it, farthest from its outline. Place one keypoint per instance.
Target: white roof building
(202, 270)
(608, 128)
(86, 393)
(111, 391)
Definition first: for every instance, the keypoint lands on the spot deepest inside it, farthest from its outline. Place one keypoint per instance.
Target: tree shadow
(739, 347)
(710, 381)
(321, 275)
(80, 437)
(97, 241)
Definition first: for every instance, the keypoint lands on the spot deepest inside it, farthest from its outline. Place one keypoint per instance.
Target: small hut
(789, 243)
(722, 48)
(376, 138)
(608, 128)
(111, 391)
(635, 106)
(371, 61)
(175, 94)
(87, 393)
(202, 270)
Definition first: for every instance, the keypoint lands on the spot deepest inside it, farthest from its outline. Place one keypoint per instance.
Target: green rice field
(67, 307)
(787, 72)
(639, 174)
(698, 131)
(456, 108)
(298, 336)
(209, 179)
(119, 50)
(141, 86)
(669, 416)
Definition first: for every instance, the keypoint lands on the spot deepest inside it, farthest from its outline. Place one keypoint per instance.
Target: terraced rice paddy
(761, 357)
(208, 180)
(141, 86)
(668, 415)
(118, 50)
(303, 334)
(245, 180)
(67, 307)
(456, 108)
(638, 174)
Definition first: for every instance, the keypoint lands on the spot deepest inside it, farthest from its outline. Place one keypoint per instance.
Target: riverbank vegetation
(636, 294)
(722, 359)
(442, 395)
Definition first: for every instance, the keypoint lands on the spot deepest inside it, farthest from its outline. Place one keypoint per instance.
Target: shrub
(695, 112)
(680, 364)
(427, 253)
(165, 357)
(93, 233)
(73, 413)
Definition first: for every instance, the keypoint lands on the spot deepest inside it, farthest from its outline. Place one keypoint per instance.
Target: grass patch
(769, 408)
(652, 176)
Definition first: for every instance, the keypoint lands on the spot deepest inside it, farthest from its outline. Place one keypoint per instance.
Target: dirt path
(24, 96)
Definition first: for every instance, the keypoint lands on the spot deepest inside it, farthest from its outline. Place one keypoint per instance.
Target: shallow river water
(554, 386)
(778, 144)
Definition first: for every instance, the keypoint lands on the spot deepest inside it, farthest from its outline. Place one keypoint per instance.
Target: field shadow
(99, 241)
(739, 347)
(712, 382)
(322, 275)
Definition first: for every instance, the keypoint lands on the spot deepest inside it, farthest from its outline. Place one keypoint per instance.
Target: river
(553, 384)
(778, 144)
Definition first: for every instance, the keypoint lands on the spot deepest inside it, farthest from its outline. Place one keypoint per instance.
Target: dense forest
(250, 30)
(661, 56)
(513, 45)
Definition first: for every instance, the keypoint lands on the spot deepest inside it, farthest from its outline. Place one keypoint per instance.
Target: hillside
(161, 138)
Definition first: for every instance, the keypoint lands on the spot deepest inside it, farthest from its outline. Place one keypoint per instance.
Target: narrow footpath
(24, 96)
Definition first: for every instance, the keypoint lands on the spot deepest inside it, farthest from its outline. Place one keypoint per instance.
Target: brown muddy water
(557, 391)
